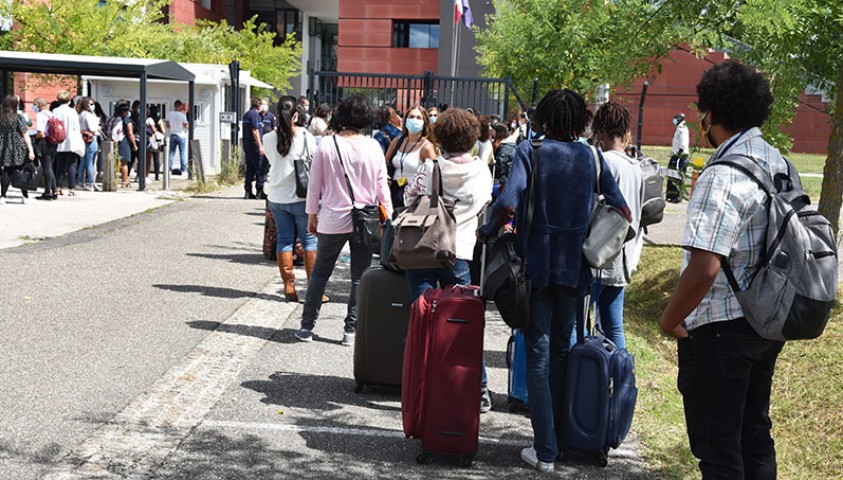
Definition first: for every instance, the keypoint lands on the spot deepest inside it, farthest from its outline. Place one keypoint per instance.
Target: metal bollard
(108, 181)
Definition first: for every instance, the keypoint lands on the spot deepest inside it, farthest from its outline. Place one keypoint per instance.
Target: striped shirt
(727, 216)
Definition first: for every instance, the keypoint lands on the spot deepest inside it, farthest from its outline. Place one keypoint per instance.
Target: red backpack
(56, 132)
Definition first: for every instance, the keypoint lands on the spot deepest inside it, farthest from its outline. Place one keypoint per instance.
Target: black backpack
(652, 206)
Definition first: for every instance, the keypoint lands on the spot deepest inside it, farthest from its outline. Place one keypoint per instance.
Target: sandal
(60, 192)
(71, 193)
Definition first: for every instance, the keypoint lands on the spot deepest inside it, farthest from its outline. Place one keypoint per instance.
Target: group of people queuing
(71, 155)
(725, 367)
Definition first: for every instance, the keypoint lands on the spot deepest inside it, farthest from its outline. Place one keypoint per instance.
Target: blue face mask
(432, 119)
(35, 108)
(414, 125)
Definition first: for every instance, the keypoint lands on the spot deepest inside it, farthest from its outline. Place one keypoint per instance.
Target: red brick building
(674, 91)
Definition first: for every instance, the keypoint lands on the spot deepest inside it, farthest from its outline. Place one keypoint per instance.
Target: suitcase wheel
(423, 458)
(358, 388)
(466, 461)
(603, 457)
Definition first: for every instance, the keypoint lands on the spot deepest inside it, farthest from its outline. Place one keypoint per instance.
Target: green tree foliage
(129, 28)
(575, 44)
(580, 43)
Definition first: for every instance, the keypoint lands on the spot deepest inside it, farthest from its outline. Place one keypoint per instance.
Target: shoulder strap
(531, 201)
(596, 169)
(345, 174)
(751, 169)
(436, 184)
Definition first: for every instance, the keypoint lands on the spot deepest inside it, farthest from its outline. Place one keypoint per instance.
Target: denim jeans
(725, 377)
(290, 217)
(330, 246)
(609, 301)
(180, 142)
(553, 311)
(87, 165)
(420, 280)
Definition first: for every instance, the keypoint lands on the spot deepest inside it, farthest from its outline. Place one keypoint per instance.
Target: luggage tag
(401, 181)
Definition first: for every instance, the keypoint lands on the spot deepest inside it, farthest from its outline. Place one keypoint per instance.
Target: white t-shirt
(177, 121)
(281, 184)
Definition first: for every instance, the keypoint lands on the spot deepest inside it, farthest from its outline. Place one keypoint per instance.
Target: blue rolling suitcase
(600, 396)
(516, 362)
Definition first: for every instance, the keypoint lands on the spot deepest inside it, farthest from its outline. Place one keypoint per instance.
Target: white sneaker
(529, 456)
(2, 200)
(23, 200)
(348, 339)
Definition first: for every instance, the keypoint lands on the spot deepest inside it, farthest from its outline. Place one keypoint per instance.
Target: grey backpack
(652, 207)
(791, 294)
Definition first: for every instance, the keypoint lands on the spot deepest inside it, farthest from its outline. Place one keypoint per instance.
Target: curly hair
(610, 122)
(562, 115)
(456, 130)
(355, 112)
(737, 96)
(485, 127)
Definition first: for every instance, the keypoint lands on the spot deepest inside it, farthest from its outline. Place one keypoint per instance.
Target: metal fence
(484, 95)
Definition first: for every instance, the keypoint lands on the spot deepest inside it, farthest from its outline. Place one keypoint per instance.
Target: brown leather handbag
(426, 232)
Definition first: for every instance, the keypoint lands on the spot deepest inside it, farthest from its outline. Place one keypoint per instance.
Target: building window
(415, 34)
(206, 4)
(287, 22)
(199, 114)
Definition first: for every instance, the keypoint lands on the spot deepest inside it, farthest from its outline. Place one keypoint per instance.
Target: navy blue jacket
(565, 188)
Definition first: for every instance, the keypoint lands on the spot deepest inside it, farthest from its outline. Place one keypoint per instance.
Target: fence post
(108, 183)
(427, 89)
(196, 161)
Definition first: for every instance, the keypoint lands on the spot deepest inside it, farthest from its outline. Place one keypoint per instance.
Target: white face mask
(92, 107)
(264, 108)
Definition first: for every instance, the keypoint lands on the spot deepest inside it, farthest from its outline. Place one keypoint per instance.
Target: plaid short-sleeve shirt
(727, 215)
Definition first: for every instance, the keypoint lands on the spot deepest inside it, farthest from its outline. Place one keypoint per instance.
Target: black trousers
(66, 164)
(725, 377)
(253, 166)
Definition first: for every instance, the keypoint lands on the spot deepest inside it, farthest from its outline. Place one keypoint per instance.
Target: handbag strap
(436, 184)
(345, 174)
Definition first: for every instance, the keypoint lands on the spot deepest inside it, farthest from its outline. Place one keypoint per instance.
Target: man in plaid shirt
(725, 367)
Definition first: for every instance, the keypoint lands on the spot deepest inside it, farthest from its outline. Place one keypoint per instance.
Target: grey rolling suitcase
(383, 312)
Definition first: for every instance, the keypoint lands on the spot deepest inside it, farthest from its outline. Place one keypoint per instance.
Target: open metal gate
(490, 96)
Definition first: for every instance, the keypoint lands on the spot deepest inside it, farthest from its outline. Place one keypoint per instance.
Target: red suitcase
(440, 389)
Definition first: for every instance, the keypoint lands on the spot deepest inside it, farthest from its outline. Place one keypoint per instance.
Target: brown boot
(285, 266)
(309, 262)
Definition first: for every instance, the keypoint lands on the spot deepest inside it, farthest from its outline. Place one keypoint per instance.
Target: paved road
(158, 347)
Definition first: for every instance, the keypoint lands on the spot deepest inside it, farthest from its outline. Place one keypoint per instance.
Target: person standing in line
(611, 133)
(678, 159)
(564, 186)
(467, 182)
(15, 145)
(253, 149)
(98, 111)
(305, 104)
(90, 125)
(386, 131)
(67, 159)
(725, 367)
(45, 151)
(177, 125)
(268, 124)
(408, 152)
(329, 206)
(319, 124)
(128, 144)
(154, 137)
(485, 150)
(283, 146)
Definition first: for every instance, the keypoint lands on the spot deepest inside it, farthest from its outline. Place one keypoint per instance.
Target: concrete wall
(467, 65)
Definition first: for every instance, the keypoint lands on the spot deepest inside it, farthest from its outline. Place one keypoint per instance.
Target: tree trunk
(832, 192)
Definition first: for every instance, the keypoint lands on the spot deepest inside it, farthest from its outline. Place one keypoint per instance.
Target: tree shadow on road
(220, 292)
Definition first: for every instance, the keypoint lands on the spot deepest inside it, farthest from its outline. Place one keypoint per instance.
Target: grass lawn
(807, 399)
(804, 163)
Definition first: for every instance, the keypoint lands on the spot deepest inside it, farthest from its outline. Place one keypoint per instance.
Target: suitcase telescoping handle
(482, 268)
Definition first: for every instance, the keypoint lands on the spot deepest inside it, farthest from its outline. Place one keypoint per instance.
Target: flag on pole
(462, 10)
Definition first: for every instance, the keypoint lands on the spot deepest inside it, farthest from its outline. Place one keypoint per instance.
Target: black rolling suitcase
(383, 311)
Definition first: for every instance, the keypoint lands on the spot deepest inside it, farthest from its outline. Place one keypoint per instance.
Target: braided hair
(611, 121)
(562, 115)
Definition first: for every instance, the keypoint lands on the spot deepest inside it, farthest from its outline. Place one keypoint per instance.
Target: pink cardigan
(366, 167)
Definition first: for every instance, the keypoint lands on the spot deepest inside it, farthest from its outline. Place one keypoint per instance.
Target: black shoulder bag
(505, 279)
(365, 221)
(302, 167)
